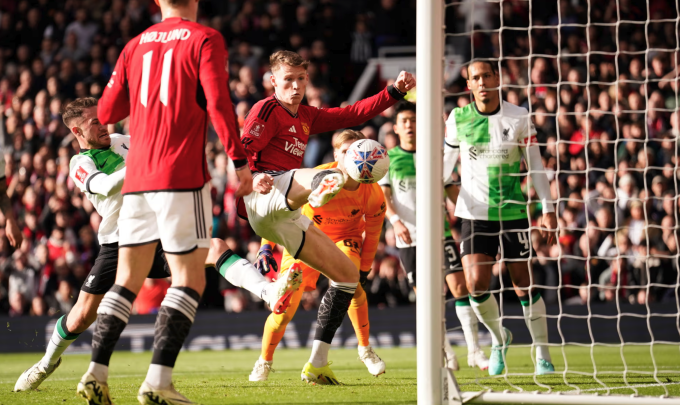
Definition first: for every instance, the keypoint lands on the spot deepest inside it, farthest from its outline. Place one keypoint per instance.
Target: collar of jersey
(496, 111)
(171, 19)
(284, 107)
(85, 150)
(404, 150)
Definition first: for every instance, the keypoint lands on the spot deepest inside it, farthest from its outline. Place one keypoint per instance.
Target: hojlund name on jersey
(181, 34)
(296, 148)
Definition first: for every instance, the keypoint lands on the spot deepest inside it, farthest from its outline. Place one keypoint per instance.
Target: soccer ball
(366, 161)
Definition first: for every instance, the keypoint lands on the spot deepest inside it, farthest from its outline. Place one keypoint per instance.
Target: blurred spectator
(389, 287)
(151, 296)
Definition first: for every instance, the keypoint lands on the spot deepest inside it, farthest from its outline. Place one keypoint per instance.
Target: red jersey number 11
(165, 77)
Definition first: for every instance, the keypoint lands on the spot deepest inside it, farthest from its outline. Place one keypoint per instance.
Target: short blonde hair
(346, 135)
(286, 58)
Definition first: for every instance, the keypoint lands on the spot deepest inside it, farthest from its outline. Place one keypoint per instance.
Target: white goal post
(435, 384)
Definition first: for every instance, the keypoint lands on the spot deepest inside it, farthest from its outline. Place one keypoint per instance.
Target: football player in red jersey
(275, 136)
(169, 80)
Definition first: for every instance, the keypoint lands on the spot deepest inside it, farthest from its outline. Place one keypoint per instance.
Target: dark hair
(402, 106)
(491, 64)
(76, 108)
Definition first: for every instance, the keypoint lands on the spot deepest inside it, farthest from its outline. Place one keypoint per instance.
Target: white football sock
(319, 356)
(470, 324)
(159, 376)
(243, 274)
(537, 322)
(60, 340)
(487, 312)
(99, 371)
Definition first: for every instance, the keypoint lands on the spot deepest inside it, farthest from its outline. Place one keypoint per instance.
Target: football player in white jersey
(99, 171)
(491, 136)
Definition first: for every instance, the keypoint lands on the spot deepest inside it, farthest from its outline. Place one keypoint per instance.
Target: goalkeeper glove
(363, 277)
(265, 261)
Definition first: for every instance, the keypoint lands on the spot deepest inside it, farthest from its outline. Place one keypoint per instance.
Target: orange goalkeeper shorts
(350, 247)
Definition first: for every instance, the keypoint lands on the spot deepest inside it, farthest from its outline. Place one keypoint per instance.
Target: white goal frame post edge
(436, 384)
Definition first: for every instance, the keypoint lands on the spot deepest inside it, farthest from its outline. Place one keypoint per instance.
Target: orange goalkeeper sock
(358, 314)
(275, 327)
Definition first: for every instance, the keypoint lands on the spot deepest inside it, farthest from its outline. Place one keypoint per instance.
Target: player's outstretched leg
(66, 331)
(241, 273)
(358, 314)
(274, 329)
(314, 186)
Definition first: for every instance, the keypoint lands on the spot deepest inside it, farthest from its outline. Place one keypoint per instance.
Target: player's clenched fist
(245, 177)
(405, 82)
(263, 183)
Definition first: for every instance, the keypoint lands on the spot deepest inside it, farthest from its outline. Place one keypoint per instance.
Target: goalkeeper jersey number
(401, 178)
(490, 157)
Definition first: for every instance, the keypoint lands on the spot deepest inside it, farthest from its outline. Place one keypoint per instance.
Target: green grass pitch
(222, 377)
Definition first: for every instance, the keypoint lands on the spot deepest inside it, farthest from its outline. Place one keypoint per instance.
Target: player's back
(167, 107)
(343, 216)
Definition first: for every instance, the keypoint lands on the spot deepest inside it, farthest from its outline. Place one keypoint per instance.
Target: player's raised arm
(214, 78)
(532, 155)
(114, 105)
(331, 119)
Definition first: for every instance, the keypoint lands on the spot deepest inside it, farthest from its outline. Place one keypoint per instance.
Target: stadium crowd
(613, 167)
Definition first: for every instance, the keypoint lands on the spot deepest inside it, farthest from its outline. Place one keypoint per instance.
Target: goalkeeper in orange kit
(358, 208)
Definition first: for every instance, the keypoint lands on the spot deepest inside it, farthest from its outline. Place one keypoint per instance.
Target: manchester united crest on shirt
(305, 128)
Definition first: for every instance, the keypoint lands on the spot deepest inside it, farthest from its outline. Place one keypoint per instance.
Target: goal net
(600, 82)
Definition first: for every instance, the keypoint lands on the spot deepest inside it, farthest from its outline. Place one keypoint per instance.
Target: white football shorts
(180, 220)
(271, 217)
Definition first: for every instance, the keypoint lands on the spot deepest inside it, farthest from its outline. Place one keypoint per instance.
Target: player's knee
(359, 298)
(476, 285)
(350, 276)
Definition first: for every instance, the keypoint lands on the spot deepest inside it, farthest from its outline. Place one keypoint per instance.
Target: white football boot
(477, 358)
(326, 186)
(34, 376)
(280, 291)
(374, 364)
(261, 370)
